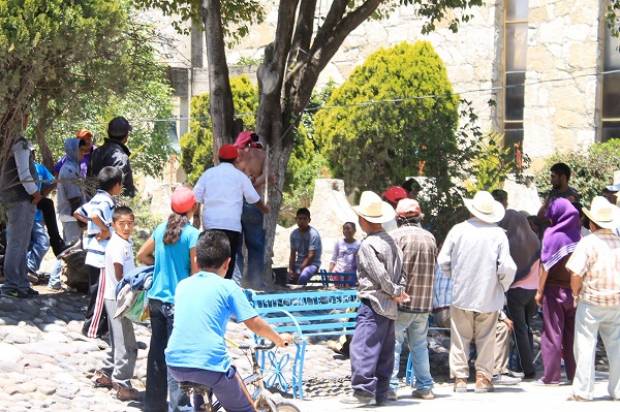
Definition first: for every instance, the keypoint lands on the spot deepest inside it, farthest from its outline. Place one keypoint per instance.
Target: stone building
(541, 63)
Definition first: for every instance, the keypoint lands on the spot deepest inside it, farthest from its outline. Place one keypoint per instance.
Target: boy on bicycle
(204, 303)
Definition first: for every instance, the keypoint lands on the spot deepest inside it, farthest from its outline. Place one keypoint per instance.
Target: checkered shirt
(419, 257)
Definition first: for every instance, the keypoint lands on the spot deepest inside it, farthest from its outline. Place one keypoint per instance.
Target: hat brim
(387, 214)
(494, 217)
(614, 223)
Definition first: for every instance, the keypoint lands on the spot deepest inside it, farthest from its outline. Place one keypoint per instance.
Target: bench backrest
(313, 313)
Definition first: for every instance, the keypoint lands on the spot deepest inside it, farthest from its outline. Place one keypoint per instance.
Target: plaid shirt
(419, 254)
(442, 290)
(597, 259)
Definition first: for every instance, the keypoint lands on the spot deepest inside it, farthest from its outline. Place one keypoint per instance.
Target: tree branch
(303, 30)
(334, 15)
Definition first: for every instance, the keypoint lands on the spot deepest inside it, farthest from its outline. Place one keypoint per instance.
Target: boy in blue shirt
(204, 303)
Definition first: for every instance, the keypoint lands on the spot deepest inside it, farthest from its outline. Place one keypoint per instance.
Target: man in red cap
(221, 191)
(251, 161)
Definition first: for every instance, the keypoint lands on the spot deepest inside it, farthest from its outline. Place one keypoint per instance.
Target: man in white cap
(595, 281)
(379, 272)
(419, 255)
(477, 257)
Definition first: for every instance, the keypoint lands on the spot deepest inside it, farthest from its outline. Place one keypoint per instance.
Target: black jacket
(113, 153)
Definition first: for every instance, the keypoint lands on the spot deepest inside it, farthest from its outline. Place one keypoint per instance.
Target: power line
(479, 91)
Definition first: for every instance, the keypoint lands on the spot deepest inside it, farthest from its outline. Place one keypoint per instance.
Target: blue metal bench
(338, 279)
(308, 314)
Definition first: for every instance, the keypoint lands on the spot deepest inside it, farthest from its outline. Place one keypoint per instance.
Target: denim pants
(254, 238)
(228, 387)
(415, 326)
(372, 353)
(158, 382)
(591, 320)
(20, 218)
(39, 245)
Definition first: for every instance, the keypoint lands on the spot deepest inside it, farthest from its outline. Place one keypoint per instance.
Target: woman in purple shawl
(554, 290)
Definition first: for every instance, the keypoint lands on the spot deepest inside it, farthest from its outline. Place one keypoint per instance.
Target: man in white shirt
(220, 191)
(477, 257)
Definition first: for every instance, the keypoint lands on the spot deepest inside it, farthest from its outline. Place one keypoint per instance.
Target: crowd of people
(484, 281)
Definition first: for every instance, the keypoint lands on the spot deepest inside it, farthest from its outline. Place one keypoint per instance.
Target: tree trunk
(220, 95)
(44, 120)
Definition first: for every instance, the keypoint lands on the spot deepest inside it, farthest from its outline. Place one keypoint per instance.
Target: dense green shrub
(592, 170)
(197, 144)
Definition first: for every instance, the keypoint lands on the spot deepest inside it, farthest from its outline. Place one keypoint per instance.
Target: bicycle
(263, 399)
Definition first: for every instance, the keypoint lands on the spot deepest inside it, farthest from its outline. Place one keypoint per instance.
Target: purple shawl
(562, 236)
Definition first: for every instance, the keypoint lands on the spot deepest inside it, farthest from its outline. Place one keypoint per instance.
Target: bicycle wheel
(265, 404)
(286, 406)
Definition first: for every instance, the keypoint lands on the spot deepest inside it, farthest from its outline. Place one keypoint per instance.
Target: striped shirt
(597, 260)
(379, 272)
(101, 205)
(419, 255)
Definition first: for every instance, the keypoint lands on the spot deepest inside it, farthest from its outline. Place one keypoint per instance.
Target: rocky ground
(46, 363)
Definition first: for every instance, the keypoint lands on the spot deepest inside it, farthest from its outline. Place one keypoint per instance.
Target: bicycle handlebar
(268, 346)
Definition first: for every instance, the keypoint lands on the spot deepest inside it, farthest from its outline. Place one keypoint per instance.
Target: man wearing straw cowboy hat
(477, 257)
(379, 272)
(595, 280)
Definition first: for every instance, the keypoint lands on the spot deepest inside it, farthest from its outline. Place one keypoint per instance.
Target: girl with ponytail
(172, 251)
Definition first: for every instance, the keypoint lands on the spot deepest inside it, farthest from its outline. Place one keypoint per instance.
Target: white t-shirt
(221, 190)
(120, 251)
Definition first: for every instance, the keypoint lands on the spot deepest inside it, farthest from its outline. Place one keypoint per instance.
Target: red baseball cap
(228, 152)
(393, 194)
(183, 200)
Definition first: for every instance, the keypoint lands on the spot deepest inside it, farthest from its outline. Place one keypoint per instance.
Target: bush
(592, 170)
(372, 146)
(197, 144)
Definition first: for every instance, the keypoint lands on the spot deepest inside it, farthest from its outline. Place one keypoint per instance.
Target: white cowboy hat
(603, 213)
(373, 209)
(485, 208)
(616, 186)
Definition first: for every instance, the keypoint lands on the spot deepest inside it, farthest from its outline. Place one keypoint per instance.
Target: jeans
(39, 245)
(254, 239)
(521, 310)
(306, 274)
(228, 387)
(234, 239)
(55, 275)
(372, 353)
(591, 320)
(158, 382)
(20, 218)
(415, 325)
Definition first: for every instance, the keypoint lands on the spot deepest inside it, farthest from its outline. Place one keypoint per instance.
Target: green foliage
(45, 42)
(592, 170)
(493, 164)
(238, 15)
(374, 145)
(390, 137)
(197, 145)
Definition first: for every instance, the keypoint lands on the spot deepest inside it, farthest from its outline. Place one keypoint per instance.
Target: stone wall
(563, 42)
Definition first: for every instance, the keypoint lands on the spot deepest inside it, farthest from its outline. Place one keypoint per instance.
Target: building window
(515, 52)
(611, 88)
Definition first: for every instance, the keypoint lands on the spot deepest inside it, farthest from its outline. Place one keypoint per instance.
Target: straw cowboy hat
(485, 208)
(603, 213)
(373, 209)
(616, 186)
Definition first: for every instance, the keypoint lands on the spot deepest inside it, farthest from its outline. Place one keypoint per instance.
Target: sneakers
(541, 382)
(391, 395)
(460, 385)
(483, 384)
(55, 286)
(359, 398)
(505, 379)
(426, 394)
(19, 294)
